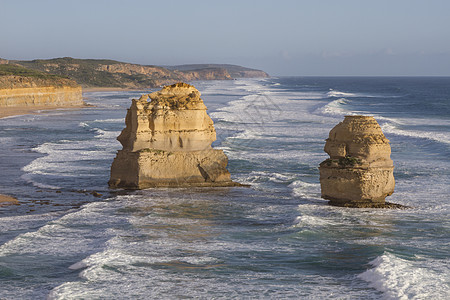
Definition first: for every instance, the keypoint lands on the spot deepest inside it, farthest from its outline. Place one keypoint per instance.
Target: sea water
(276, 239)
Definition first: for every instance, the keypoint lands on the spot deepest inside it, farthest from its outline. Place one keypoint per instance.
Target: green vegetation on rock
(347, 161)
(111, 73)
(16, 70)
(16, 76)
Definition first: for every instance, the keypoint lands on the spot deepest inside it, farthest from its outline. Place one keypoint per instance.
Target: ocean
(276, 239)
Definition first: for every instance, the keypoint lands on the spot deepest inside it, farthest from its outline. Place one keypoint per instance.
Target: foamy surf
(335, 108)
(441, 137)
(274, 239)
(402, 279)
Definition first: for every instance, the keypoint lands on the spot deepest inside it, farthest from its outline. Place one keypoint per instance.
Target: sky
(282, 37)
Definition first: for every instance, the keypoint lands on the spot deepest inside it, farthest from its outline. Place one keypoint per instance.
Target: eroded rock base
(386, 205)
(157, 168)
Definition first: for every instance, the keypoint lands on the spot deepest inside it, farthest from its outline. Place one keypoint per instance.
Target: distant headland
(28, 86)
(103, 73)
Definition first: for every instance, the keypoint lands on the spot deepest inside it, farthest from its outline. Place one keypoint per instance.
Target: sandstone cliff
(206, 74)
(167, 142)
(359, 172)
(22, 87)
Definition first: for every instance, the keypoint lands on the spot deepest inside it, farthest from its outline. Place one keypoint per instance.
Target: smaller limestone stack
(167, 142)
(359, 172)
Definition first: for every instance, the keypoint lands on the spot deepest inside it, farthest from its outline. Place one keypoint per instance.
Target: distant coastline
(102, 73)
(29, 87)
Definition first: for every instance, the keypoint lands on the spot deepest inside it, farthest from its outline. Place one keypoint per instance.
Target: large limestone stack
(167, 142)
(359, 172)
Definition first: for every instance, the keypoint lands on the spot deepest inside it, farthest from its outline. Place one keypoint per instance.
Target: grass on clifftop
(15, 76)
(86, 73)
(15, 70)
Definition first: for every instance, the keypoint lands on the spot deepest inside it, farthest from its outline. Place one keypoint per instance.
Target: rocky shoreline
(8, 200)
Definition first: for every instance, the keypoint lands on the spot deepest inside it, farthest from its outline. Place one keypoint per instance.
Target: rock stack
(359, 172)
(167, 143)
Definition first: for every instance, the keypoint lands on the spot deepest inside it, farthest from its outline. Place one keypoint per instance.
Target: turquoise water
(276, 239)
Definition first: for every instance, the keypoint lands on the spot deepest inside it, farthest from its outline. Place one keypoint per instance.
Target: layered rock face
(41, 96)
(23, 91)
(167, 142)
(359, 172)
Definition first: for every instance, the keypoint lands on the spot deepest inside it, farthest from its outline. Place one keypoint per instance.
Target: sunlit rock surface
(167, 142)
(359, 172)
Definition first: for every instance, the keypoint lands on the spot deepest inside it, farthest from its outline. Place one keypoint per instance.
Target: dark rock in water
(95, 194)
(354, 204)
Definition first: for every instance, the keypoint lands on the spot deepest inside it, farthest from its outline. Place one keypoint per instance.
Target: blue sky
(316, 37)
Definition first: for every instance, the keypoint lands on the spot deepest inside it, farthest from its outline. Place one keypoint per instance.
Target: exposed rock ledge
(8, 200)
(41, 96)
(167, 143)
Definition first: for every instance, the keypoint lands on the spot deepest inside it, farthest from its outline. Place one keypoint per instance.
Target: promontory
(106, 73)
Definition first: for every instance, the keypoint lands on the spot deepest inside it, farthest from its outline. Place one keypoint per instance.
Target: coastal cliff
(21, 87)
(234, 71)
(167, 143)
(115, 74)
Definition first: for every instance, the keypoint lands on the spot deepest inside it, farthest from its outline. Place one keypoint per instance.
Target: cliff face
(359, 171)
(32, 88)
(232, 70)
(250, 74)
(41, 96)
(167, 142)
(206, 74)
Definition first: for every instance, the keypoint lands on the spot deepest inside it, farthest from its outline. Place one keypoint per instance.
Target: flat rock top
(177, 96)
(359, 129)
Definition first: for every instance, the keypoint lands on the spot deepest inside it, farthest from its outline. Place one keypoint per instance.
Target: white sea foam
(106, 134)
(398, 278)
(335, 108)
(311, 221)
(160, 243)
(84, 124)
(115, 121)
(417, 121)
(175, 258)
(338, 94)
(258, 176)
(65, 157)
(305, 189)
(24, 222)
(333, 93)
(7, 140)
(442, 137)
(30, 178)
